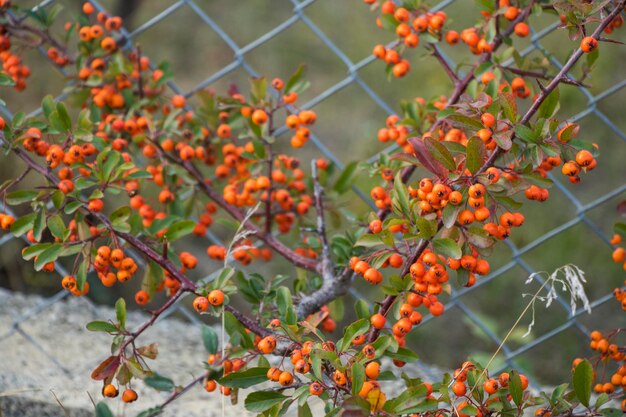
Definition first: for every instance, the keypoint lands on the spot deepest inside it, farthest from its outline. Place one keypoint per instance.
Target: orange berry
(129, 396)
(259, 117)
(588, 44)
(216, 298)
(378, 321)
(285, 379)
(200, 304)
(178, 101)
(109, 391)
(142, 297)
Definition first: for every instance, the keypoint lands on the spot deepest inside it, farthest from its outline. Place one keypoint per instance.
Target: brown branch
(139, 77)
(444, 64)
(535, 74)
(154, 316)
(249, 323)
(178, 392)
(17, 25)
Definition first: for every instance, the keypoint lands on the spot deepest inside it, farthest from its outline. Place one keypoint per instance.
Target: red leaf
(106, 368)
(427, 160)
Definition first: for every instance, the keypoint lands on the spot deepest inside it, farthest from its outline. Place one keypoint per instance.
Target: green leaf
(258, 89)
(23, 224)
(120, 312)
(285, 305)
(150, 412)
(81, 276)
(362, 309)
(245, 379)
(49, 255)
(355, 329)
(346, 179)
(609, 411)
(479, 237)
(358, 377)
(48, 106)
(401, 194)
(464, 122)
(102, 326)
(57, 227)
(139, 175)
(440, 153)
(407, 400)
(103, 410)
(6, 80)
(582, 382)
(72, 206)
(620, 228)
(34, 250)
(403, 354)
(509, 106)
(179, 229)
(111, 160)
(304, 410)
(57, 199)
(263, 400)
(21, 196)
(515, 387)
(450, 214)
(602, 399)
(40, 224)
(526, 134)
(427, 228)
(550, 105)
(447, 247)
(475, 154)
(159, 382)
(369, 240)
(209, 338)
(64, 116)
(294, 79)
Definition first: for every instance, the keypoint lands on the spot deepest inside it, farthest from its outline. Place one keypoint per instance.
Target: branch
(178, 392)
(155, 315)
(16, 25)
(444, 64)
(535, 74)
(333, 285)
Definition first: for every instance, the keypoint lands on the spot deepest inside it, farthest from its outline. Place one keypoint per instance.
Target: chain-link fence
(582, 222)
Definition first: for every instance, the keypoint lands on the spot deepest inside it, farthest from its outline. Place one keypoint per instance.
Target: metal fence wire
(460, 302)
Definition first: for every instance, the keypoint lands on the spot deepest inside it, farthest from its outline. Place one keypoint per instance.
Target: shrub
(124, 181)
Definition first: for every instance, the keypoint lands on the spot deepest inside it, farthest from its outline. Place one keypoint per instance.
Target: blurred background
(216, 43)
